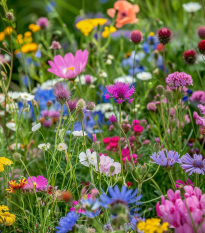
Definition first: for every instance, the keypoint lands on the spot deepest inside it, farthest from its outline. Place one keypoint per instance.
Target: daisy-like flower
(120, 91)
(11, 125)
(14, 95)
(144, 76)
(26, 96)
(124, 79)
(88, 158)
(38, 183)
(167, 159)
(192, 165)
(44, 146)
(69, 66)
(36, 127)
(62, 146)
(191, 7)
(78, 133)
(13, 185)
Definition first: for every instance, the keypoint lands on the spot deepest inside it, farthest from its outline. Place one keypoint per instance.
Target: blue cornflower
(92, 207)
(185, 98)
(67, 223)
(167, 160)
(125, 196)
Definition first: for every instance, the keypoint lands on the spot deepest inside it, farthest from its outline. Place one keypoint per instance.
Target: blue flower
(50, 6)
(38, 54)
(92, 207)
(67, 223)
(134, 222)
(125, 196)
(185, 98)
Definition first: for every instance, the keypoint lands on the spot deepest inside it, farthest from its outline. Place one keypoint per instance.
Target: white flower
(2, 98)
(82, 79)
(44, 146)
(124, 79)
(103, 74)
(104, 107)
(78, 133)
(144, 76)
(48, 85)
(192, 7)
(11, 106)
(2, 113)
(14, 95)
(109, 62)
(7, 57)
(62, 146)
(111, 57)
(11, 125)
(26, 96)
(36, 127)
(88, 158)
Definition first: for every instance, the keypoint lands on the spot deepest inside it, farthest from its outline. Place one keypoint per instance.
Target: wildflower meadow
(102, 116)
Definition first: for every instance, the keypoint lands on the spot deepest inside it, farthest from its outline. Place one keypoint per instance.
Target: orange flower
(126, 13)
(13, 185)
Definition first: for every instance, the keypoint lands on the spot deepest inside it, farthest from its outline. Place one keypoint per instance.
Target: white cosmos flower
(192, 7)
(88, 158)
(78, 133)
(144, 76)
(82, 79)
(104, 107)
(36, 127)
(11, 125)
(26, 96)
(124, 79)
(14, 95)
(2, 98)
(44, 146)
(62, 146)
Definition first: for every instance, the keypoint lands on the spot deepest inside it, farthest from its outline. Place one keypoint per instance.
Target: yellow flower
(19, 36)
(4, 161)
(5, 217)
(34, 27)
(98, 21)
(151, 34)
(85, 26)
(2, 36)
(107, 31)
(152, 225)
(8, 30)
(30, 47)
(27, 34)
(28, 39)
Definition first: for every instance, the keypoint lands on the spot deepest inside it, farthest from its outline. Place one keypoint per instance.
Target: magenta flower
(199, 120)
(198, 96)
(61, 93)
(39, 183)
(179, 79)
(69, 66)
(113, 119)
(180, 182)
(72, 104)
(43, 22)
(120, 91)
(201, 108)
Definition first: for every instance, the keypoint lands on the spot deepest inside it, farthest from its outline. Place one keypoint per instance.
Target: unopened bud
(49, 103)
(160, 90)
(17, 156)
(9, 16)
(82, 229)
(96, 146)
(90, 106)
(169, 95)
(156, 147)
(129, 167)
(80, 115)
(156, 54)
(80, 104)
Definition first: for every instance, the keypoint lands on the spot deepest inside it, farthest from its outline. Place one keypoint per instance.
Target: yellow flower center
(151, 34)
(34, 184)
(70, 68)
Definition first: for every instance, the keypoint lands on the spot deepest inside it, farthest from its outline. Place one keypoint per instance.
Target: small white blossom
(144, 76)
(103, 74)
(62, 146)
(88, 158)
(26, 96)
(44, 146)
(11, 106)
(36, 127)
(2, 113)
(111, 57)
(14, 95)
(109, 62)
(2, 98)
(104, 107)
(11, 125)
(191, 7)
(78, 133)
(124, 79)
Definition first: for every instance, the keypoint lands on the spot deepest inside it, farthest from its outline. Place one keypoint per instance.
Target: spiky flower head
(80, 115)
(201, 46)
(61, 93)
(43, 22)
(190, 57)
(164, 36)
(120, 91)
(114, 122)
(17, 156)
(201, 32)
(96, 146)
(136, 37)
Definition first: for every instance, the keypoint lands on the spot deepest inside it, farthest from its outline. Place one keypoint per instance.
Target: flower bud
(129, 167)
(80, 115)
(136, 37)
(9, 16)
(160, 90)
(112, 169)
(80, 104)
(90, 106)
(49, 103)
(17, 156)
(96, 146)
(156, 54)
(157, 147)
(82, 229)
(169, 95)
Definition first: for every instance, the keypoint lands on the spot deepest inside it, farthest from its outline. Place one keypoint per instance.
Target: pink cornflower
(106, 140)
(69, 66)
(47, 124)
(88, 79)
(198, 96)
(201, 109)
(146, 142)
(179, 79)
(43, 22)
(39, 183)
(199, 120)
(120, 91)
(61, 93)
(55, 45)
(113, 119)
(151, 106)
(54, 114)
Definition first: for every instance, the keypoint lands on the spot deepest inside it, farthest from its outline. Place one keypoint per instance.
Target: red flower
(201, 46)
(129, 184)
(190, 57)
(164, 36)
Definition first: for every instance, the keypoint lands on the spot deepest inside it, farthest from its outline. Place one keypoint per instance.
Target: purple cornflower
(113, 119)
(179, 79)
(195, 164)
(72, 104)
(55, 45)
(61, 93)
(157, 140)
(167, 159)
(54, 114)
(180, 182)
(47, 124)
(120, 91)
(43, 22)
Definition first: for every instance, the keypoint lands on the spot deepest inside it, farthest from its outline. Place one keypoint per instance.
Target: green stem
(120, 141)
(199, 77)
(83, 135)
(171, 179)
(98, 161)
(77, 89)
(139, 188)
(179, 132)
(196, 183)
(162, 115)
(202, 146)
(97, 125)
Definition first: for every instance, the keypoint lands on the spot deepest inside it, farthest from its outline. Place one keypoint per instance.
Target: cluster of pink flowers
(179, 79)
(120, 91)
(126, 155)
(198, 96)
(112, 143)
(183, 212)
(49, 118)
(152, 106)
(200, 120)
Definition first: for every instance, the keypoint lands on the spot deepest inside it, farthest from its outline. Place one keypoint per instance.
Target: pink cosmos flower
(179, 79)
(38, 183)
(120, 91)
(198, 96)
(69, 66)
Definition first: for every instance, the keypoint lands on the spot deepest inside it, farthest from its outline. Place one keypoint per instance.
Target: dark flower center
(123, 14)
(198, 163)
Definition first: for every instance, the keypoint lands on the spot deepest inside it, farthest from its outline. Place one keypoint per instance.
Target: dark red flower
(136, 37)
(201, 32)
(190, 57)
(164, 36)
(129, 184)
(201, 46)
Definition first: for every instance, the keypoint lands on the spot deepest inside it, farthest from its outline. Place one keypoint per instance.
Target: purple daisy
(167, 159)
(120, 91)
(195, 164)
(179, 79)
